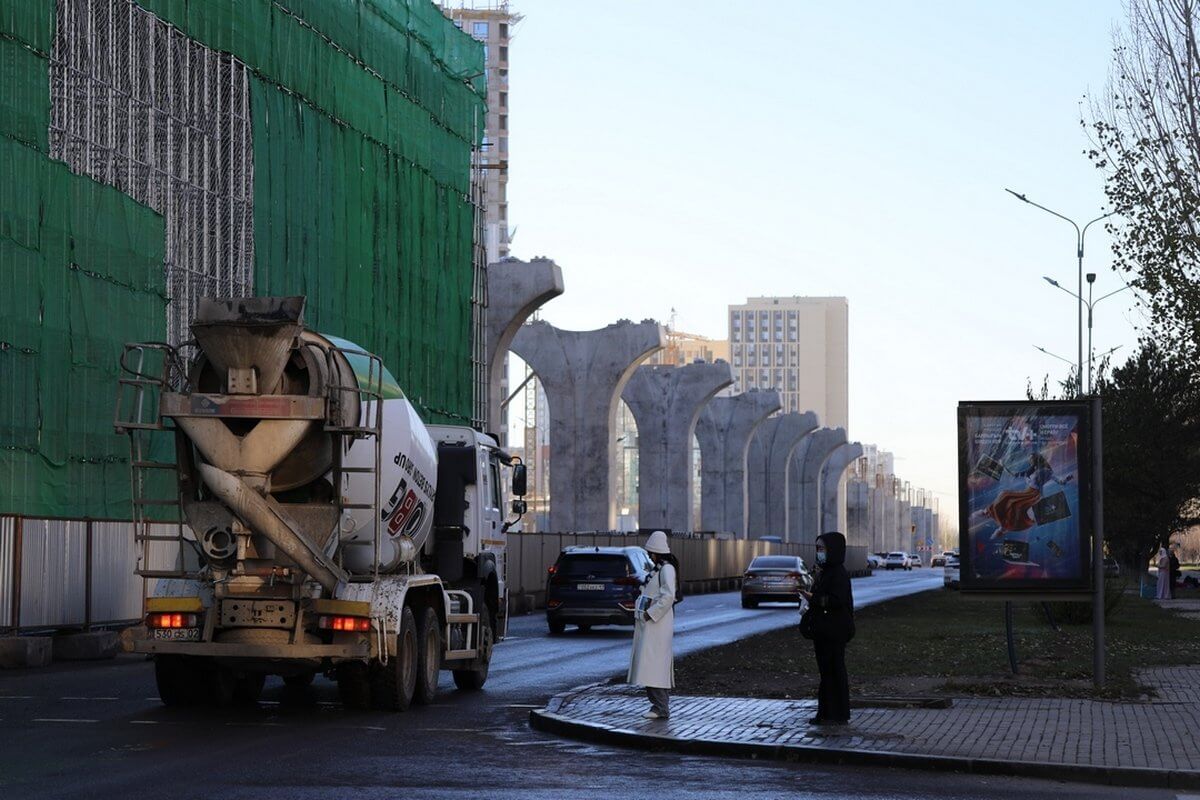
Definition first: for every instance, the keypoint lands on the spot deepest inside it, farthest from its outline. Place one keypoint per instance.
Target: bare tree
(1146, 137)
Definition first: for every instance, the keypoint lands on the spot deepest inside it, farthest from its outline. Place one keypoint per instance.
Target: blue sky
(688, 155)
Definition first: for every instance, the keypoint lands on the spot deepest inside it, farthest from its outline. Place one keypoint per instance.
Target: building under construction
(157, 151)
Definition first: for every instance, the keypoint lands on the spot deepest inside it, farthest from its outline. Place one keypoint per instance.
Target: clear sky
(690, 154)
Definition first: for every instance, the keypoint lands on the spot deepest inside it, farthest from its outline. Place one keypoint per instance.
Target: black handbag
(818, 623)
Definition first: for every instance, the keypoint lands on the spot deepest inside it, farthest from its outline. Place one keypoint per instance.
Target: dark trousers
(833, 697)
(660, 700)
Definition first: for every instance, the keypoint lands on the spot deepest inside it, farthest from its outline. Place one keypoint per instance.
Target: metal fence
(136, 104)
(67, 574)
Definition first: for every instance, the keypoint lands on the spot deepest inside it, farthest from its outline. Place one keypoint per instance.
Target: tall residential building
(798, 346)
(491, 22)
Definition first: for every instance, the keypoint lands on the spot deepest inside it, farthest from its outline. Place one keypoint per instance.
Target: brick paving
(1158, 735)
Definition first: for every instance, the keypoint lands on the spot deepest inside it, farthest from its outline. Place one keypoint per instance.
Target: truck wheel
(248, 688)
(354, 685)
(298, 683)
(394, 684)
(472, 679)
(177, 680)
(220, 684)
(556, 628)
(429, 656)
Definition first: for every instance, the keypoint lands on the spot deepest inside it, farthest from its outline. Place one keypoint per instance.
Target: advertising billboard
(1025, 510)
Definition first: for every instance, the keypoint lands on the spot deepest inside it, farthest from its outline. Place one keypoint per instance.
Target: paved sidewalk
(1127, 743)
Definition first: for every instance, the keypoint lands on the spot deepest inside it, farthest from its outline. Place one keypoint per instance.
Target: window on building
(766, 360)
(479, 30)
(504, 99)
(504, 122)
(765, 334)
(503, 55)
(503, 144)
(503, 211)
(503, 30)
(779, 378)
(503, 73)
(764, 377)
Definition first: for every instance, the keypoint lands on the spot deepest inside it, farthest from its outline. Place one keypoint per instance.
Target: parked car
(775, 579)
(914, 560)
(950, 572)
(898, 560)
(1111, 568)
(589, 586)
(876, 561)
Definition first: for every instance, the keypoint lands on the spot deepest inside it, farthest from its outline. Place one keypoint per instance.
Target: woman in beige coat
(652, 663)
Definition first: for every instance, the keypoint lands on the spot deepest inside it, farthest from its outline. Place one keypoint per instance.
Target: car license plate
(590, 587)
(177, 634)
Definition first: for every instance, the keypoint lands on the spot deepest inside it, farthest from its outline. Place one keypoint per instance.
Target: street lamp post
(1080, 234)
(1091, 304)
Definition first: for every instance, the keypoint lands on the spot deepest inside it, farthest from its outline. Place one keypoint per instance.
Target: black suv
(595, 586)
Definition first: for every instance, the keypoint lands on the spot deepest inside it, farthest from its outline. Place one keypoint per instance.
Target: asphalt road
(98, 730)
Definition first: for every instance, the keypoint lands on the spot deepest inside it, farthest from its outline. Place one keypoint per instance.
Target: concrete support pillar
(767, 484)
(515, 290)
(583, 373)
(804, 516)
(858, 515)
(666, 401)
(832, 505)
(724, 430)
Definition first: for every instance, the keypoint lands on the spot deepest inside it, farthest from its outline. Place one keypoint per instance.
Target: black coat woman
(829, 623)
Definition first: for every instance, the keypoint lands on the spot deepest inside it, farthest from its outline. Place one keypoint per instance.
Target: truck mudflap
(360, 650)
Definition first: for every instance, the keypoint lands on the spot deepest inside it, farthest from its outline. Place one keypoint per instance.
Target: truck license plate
(177, 634)
(590, 587)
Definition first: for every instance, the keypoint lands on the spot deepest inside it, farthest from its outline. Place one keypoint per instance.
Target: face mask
(820, 556)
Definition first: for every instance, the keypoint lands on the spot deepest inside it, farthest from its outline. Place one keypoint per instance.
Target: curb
(549, 720)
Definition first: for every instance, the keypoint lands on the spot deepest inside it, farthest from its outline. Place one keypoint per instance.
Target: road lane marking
(16, 697)
(55, 719)
(89, 698)
(143, 722)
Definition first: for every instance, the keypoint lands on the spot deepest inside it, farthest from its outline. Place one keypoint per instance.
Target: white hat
(657, 543)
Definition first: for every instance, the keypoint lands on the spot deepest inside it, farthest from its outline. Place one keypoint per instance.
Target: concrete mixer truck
(319, 525)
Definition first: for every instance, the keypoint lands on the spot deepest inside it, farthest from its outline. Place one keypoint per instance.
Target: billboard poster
(1025, 496)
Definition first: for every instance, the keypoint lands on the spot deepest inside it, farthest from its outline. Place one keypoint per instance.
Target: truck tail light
(172, 620)
(346, 624)
(553, 568)
(553, 603)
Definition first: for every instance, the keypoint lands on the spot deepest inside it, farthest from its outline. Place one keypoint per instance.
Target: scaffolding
(137, 104)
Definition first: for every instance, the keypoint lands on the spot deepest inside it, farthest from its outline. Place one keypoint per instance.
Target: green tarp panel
(80, 274)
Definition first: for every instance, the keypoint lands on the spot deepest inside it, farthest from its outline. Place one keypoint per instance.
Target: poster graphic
(1024, 496)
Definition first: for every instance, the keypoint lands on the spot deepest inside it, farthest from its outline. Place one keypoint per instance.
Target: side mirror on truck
(518, 480)
(519, 507)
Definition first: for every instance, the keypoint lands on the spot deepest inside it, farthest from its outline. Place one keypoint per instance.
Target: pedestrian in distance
(652, 662)
(1163, 562)
(1175, 571)
(829, 623)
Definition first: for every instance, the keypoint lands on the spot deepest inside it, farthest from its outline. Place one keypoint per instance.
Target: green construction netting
(364, 113)
(80, 273)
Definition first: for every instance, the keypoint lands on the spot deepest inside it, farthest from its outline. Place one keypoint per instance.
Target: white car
(875, 561)
(940, 559)
(950, 573)
(898, 560)
(914, 560)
